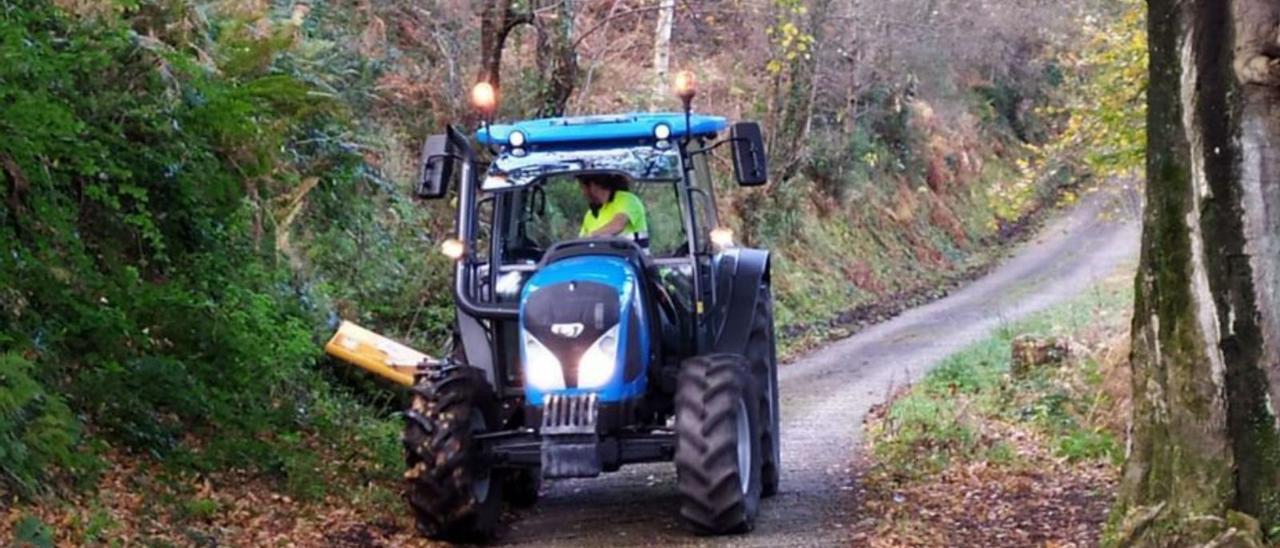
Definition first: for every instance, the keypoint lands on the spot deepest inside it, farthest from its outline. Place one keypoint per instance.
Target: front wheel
(718, 453)
(454, 495)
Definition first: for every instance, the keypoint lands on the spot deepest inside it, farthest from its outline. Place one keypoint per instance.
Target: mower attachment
(374, 353)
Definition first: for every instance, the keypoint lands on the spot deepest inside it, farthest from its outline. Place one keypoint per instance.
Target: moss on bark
(1205, 440)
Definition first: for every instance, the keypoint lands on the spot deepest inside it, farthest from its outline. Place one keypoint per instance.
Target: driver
(615, 211)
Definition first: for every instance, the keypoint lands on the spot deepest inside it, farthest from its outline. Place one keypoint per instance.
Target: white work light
(662, 132)
(517, 139)
(453, 248)
(722, 237)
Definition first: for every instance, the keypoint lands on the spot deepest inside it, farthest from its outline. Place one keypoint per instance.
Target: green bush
(842, 163)
(944, 416)
(1090, 444)
(135, 246)
(37, 429)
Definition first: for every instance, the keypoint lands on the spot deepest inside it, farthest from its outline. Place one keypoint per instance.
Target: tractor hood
(581, 330)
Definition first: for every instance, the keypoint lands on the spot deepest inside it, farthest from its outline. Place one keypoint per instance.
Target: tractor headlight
(597, 364)
(722, 237)
(541, 368)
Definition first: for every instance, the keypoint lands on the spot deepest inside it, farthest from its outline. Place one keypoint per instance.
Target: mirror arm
(714, 146)
(449, 156)
(697, 190)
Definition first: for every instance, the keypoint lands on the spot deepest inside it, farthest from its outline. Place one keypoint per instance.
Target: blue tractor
(574, 356)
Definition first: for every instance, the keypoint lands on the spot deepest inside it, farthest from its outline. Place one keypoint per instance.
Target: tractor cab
(574, 353)
(537, 206)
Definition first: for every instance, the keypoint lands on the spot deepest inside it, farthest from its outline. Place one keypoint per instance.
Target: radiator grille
(575, 414)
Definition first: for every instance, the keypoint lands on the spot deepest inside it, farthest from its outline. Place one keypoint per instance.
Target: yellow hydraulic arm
(374, 353)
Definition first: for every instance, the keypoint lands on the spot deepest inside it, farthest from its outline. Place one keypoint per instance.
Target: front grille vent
(570, 414)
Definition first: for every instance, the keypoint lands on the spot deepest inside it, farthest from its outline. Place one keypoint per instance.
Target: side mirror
(438, 159)
(750, 163)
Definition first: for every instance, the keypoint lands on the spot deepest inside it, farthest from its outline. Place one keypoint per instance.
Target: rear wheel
(762, 353)
(718, 444)
(454, 496)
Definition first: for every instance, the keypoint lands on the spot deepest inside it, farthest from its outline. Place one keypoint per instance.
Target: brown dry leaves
(1035, 498)
(133, 506)
(1045, 502)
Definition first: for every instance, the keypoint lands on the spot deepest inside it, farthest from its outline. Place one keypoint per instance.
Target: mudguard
(740, 273)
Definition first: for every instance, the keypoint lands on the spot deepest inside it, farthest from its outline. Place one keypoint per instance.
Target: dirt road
(826, 394)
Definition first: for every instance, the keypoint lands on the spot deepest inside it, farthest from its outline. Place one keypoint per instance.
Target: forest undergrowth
(197, 192)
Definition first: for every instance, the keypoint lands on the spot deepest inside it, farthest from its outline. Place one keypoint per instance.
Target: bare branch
(606, 20)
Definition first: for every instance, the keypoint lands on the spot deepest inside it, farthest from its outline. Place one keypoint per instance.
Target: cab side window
(666, 225)
(556, 215)
(703, 196)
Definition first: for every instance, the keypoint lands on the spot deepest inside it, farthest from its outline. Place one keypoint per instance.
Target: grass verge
(976, 455)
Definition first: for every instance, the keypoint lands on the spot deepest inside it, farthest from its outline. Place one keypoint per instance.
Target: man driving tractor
(614, 210)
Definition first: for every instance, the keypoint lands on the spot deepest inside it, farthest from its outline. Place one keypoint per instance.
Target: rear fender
(740, 274)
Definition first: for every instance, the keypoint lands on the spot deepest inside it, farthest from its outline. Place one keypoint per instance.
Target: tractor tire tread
(762, 352)
(708, 391)
(438, 443)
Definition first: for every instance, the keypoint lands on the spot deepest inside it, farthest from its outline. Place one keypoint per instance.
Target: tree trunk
(662, 51)
(497, 19)
(1205, 446)
(557, 61)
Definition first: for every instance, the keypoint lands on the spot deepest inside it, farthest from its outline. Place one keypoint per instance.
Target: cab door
(702, 206)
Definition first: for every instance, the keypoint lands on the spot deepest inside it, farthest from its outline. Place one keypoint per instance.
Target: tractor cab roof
(592, 131)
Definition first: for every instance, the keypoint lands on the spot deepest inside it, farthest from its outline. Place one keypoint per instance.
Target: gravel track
(826, 394)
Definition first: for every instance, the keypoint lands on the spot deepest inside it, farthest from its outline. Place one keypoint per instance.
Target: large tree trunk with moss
(1205, 450)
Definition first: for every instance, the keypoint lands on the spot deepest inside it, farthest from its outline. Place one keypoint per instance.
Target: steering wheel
(527, 250)
(526, 253)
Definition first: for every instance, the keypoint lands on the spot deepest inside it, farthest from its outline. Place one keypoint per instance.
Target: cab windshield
(551, 210)
(532, 201)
